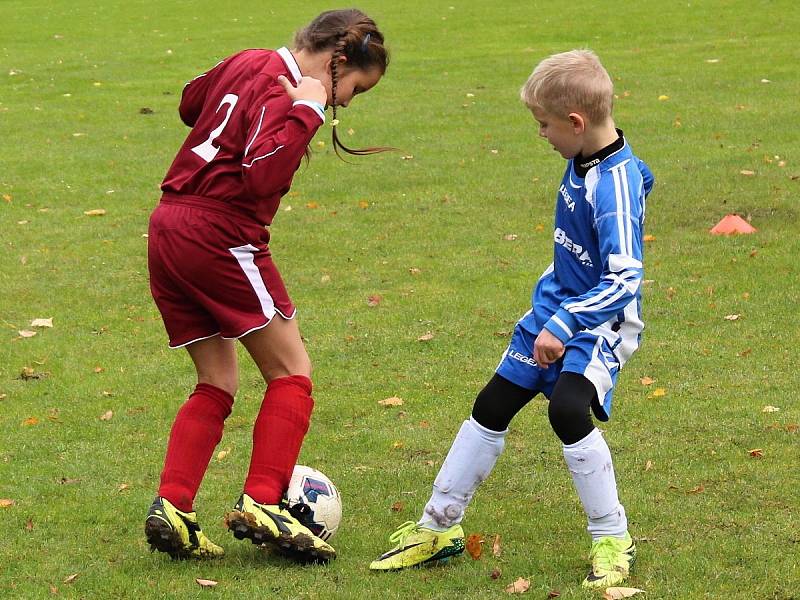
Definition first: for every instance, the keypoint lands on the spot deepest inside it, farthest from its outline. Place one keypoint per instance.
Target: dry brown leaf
(106, 416)
(374, 300)
(414, 271)
(647, 380)
(658, 393)
(122, 487)
(26, 333)
(397, 445)
(617, 593)
(520, 586)
(3, 396)
(553, 594)
(770, 409)
(42, 322)
(731, 317)
(95, 212)
(697, 490)
(223, 453)
(496, 549)
(747, 172)
(99, 369)
(30, 421)
(496, 573)
(71, 578)
(67, 481)
(393, 401)
(363, 204)
(425, 337)
(649, 238)
(510, 237)
(648, 465)
(792, 428)
(756, 453)
(397, 506)
(475, 545)
(6, 502)
(206, 582)
(54, 590)
(311, 205)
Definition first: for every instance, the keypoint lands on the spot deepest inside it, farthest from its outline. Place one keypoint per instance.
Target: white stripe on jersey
(244, 256)
(563, 325)
(267, 155)
(258, 130)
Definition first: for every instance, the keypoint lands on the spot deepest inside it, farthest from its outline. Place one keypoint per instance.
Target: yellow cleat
(177, 533)
(275, 525)
(612, 559)
(416, 545)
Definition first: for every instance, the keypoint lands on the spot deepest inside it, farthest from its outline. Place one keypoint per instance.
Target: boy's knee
(569, 408)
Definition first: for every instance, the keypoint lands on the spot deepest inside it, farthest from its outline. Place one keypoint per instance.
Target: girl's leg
(285, 412)
(197, 428)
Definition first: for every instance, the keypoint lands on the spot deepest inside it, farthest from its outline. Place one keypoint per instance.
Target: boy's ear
(578, 122)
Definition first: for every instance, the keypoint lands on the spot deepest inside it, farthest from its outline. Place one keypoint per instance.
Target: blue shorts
(586, 354)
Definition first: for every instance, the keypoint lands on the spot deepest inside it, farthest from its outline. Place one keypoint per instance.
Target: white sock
(589, 462)
(471, 458)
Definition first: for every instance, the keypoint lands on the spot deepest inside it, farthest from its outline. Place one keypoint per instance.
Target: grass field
(707, 91)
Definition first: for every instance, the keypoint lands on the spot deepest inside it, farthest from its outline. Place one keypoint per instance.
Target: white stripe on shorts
(597, 372)
(244, 256)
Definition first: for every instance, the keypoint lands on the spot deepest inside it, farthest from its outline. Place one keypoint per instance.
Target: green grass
(78, 68)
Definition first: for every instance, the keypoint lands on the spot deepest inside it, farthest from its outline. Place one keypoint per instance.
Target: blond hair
(573, 81)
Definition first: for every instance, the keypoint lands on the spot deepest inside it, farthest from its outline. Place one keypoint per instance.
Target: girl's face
(352, 82)
(561, 132)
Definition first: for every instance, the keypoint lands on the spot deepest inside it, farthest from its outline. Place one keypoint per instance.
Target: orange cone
(732, 224)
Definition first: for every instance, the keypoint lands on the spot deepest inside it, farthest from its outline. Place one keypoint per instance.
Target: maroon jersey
(247, 137)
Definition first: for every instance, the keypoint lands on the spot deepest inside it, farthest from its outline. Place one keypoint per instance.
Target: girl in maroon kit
(214, 281)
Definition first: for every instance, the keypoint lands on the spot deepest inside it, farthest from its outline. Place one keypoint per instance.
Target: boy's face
(562, 132)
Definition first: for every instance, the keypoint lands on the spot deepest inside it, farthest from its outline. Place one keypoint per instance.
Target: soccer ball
(314, 501)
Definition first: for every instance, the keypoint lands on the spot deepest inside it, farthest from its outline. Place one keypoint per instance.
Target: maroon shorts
(211, 273)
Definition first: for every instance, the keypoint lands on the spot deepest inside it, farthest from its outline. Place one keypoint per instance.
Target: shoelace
(604, 553)
(402, 532)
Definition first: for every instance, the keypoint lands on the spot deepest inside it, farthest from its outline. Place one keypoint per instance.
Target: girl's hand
(308, 89)
(547, 349)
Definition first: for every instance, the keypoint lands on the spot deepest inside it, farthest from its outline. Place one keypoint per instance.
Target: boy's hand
(547, 349)
(308, 89)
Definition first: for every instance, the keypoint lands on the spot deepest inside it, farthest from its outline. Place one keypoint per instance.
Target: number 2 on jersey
(207, 150)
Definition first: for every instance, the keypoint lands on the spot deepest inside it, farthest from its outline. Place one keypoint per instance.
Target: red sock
(281, 425)
(195, 433)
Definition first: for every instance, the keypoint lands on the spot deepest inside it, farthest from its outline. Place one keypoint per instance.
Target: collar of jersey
(291, 63)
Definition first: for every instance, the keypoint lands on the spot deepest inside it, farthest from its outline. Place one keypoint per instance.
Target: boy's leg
(472, 456)
(589, 461)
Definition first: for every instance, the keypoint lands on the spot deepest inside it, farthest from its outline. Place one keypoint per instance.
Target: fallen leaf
(697, 490)
(42, 322)
(325, 278)
(496, 573)
(617, 593)
(71, 578)
(26, 333)
(731, 317)
(223, 453)
(496, 549)
(122, 487)
(510, 237)
(425, 337)
(363, 204)
(744, 353)
(312, 205)
(206, 582)
(106, 416)
(68, 481)
(3, 396)
(770, 409)
(663, 97)
(393, 401)
(712, 60)
(520, 586)
(374, 300)
(647, 380)
(414, 271)
(648, 465)
(54, 590)
(747, 172)
(475, 545)
(95, 212)
(658, 393)
(756, 453)
(792, 427)
(6, 502)
(397, 445)
(99, 369)
(145, 111)
(397, 506)
(649, 238)
(30, 421)
(553, 594)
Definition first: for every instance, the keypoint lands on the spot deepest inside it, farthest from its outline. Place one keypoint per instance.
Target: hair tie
(365, 43)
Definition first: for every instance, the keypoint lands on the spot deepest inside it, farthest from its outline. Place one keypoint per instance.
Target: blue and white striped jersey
(594, 281)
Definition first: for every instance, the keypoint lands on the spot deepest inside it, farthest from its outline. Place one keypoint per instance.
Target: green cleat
(177, 533)
(612, 559)
(277, 526)
(418, 545)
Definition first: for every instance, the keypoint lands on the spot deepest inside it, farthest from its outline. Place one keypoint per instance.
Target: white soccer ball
(315, 501)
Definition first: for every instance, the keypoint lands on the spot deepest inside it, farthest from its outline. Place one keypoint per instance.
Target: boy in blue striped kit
(584, 324)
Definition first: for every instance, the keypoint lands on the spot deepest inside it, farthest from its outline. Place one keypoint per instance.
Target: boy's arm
(617, 220)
